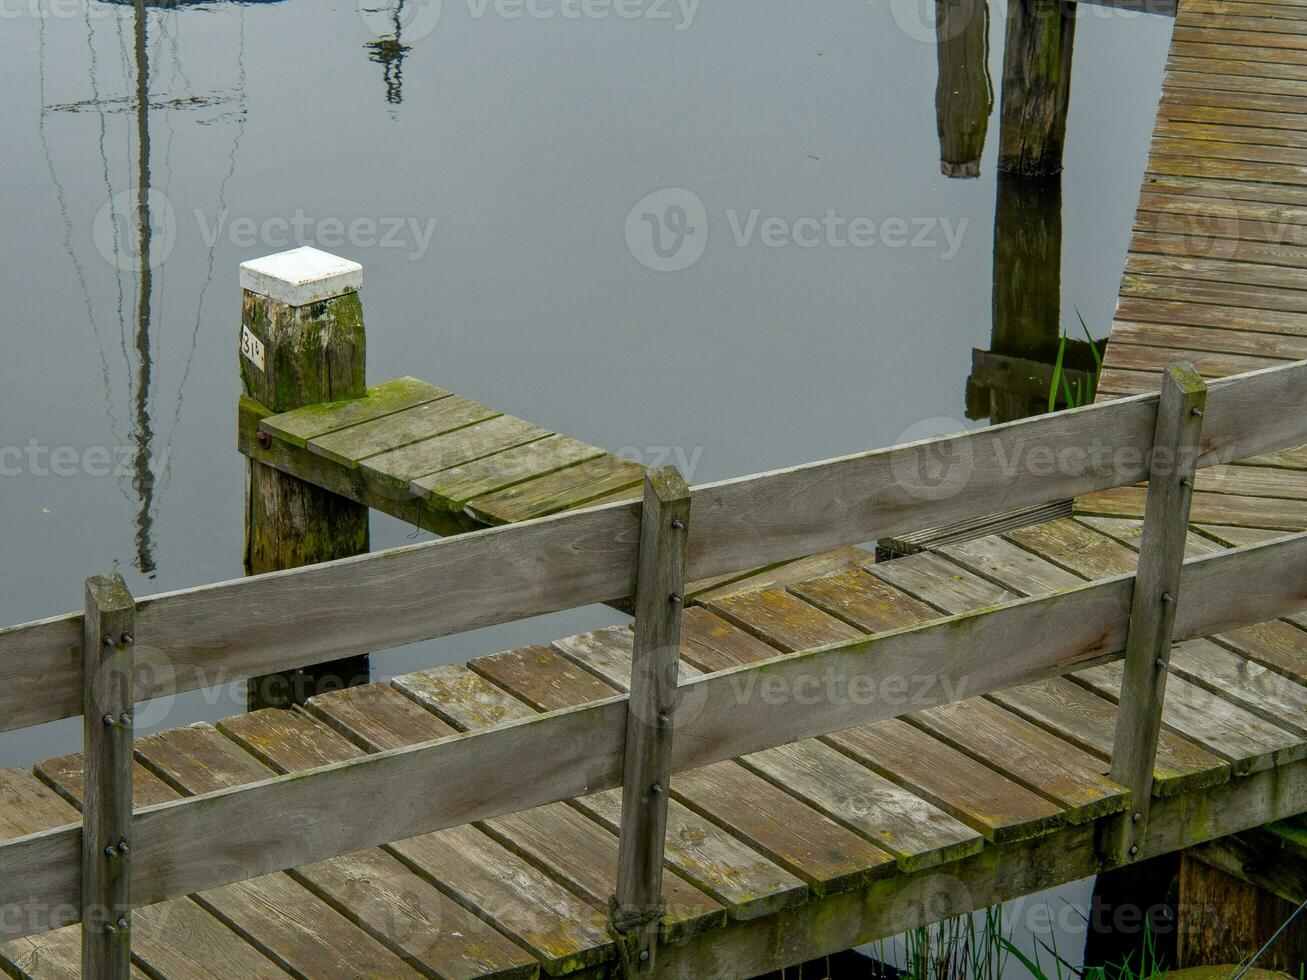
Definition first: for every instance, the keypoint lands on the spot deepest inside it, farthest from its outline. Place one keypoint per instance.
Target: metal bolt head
(125, 719)
(1196, 413)
(1186, 482)
(644, 956)
(1161, 664)
(109, 721)
(263, 439)
(656, 789)
(109, 928)
(127, 640)
(123, 847)
(676, 599)
(1134, 849)
(678, 525)
(664, 721)
(111, 853)
(107, 641)
(122, 923)
(1137, 817)
(1168, 598)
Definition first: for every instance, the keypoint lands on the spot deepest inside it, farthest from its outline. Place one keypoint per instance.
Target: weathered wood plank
(1272, 513)
(541, 678)
(1002, 562)
(376, 717)
(710, 643)
(1089, 721)
(400, 467)
(300, 425)
(561, 490)
(782, 620)
(348, 446)
(464, 699)
(1129, 532)
(458, 485)
(1249, 685)
(941, 583)
(780, 576)
(1277, 645)
(865, 602)
(1077, 548)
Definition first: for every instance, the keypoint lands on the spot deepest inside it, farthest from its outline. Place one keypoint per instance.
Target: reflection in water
(389, 52)
(134, 233)
(964, 95)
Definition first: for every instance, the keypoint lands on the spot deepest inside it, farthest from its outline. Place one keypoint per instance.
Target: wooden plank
(376, 717)
(1129, 533)
(865, 602)
(746, 882)
(26, 806)
(463, 699)
(400, 467)
(107, 644)
(541, 678)
(782, 620)
(1237, 537)
(1249, 685)
(1277, 645)
(918, 834)
(297, 427)
(560, 930)
(1153, 604)
(1209, 364)
(780, 576)
(1073, 713)
(710, 643)
(1254, 481)
(1208, 508)
(562, 490)
(1026, 754)
(1231, 340)
(1000, 561)
(290, 921)
(1207, 315)
(997, 807)
(1071, 545)
(458, 485)
(350, 445)
(53, 956)
(941, 583)
(1246, 741)
(265, 823)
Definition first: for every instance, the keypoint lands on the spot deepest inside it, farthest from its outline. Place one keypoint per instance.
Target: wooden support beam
(107, 639)
(1036, 86)
(964, 94)
(302, 343)
(647, 771)
(1153, 606)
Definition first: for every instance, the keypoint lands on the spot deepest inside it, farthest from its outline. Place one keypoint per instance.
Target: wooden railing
(121, 651)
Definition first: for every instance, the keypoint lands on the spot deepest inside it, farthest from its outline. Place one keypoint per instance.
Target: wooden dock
(794, 850)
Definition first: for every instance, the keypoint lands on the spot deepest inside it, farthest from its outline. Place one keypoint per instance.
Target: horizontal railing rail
(202, 842)
(228, 631)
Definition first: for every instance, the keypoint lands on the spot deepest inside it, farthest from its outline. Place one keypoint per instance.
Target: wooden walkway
(813, 846)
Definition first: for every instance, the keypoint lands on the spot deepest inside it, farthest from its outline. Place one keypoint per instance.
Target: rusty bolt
(264, 440)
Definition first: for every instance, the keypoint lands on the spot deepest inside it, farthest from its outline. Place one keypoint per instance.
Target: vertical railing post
(1156, 594)
(637, 907)
(108, 695)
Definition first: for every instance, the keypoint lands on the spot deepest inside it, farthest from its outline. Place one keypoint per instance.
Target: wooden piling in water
(302, 343)
(1036, 86)
(964, 95)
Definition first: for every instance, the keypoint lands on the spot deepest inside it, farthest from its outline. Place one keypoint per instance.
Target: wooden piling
(108, 636)
(302, 343)
(1153, 607)
(1036, 86)
(637, 907)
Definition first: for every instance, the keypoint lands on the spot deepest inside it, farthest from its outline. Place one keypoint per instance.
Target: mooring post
(637, 908)
(302, 342)
(1036, 86)
(1153, 607)
(108, 696)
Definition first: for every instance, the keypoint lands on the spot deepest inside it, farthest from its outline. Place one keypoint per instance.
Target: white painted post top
(301, 276)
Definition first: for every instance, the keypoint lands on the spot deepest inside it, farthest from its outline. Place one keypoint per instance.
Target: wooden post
(302, 343)
(1156, 593)
(964, 95)
(1036, 86)
(637, 908)
(108, 696)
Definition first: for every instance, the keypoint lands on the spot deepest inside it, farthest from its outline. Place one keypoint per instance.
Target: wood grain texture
(302, 424)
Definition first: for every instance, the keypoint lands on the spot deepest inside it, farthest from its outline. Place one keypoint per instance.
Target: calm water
(483, 168)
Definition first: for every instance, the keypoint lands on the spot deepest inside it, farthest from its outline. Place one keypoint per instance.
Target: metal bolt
(111, 853)
(264, 440)
(1186, 482)
(109, 721)
(656, 789)
(127, 639)
(676, 599)
(122, 923)
(107, 640)
(1161, 664)
(108, 927)
(125, 719)
(664, 721)
(122, 847)
(1137, 817)
(1168, 598)
(644, 956)
(678, 525)
(1134, 849)
(1197, 413)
